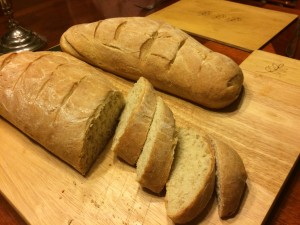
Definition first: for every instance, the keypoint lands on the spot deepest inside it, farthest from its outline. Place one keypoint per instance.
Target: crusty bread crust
(60, 102)
(231, 178)
(132, 130)
(187, 208)
(155, 161)
(169, 58)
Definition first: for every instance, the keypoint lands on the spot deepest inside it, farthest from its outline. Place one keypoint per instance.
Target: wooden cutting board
(263, 126)
(238, 25)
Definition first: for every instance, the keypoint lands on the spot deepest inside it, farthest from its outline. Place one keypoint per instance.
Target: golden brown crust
(154, 172)
(169, 58)
(56, 99)
(129, 144)
(231, 178)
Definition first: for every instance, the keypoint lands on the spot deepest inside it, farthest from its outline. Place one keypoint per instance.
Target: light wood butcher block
(263, 126)
(238, 25)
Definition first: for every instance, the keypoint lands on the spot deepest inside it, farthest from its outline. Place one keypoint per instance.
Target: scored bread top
(171, 59)
(135, 121)
(55, 99)
(192, 178)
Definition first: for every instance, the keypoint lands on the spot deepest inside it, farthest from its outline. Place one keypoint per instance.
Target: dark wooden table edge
(284, 192)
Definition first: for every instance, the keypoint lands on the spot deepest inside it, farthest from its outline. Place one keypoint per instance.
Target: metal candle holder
(18, 38)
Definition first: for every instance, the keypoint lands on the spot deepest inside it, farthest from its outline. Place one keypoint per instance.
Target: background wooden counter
(52, 17)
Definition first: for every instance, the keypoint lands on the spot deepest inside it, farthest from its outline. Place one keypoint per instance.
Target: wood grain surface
(263, 126)
(52, 17)
(242, 26)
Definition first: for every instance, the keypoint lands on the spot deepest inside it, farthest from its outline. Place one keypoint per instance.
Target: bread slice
(155, 161)
(61, 102)
(135, 121)
(192, 179)
(231, 178)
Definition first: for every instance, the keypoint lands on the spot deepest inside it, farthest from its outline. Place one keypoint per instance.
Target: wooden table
(52, 18)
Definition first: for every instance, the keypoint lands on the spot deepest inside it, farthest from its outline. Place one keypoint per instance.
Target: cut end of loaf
(231, 178)
(100, 128)
(191, 182)
(73, 107)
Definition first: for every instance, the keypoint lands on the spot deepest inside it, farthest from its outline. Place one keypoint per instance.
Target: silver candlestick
(18, 38)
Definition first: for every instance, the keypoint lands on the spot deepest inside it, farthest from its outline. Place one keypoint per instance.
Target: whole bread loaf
(169, 58)
(61, 102)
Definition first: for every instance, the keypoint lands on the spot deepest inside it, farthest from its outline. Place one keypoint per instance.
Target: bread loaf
(231, 178)
(169, 58)
(192, 179)
(135, 121)
(61, 102)
(155, 161)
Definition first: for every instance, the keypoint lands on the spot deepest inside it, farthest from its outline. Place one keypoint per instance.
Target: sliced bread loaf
(155, 161)
(192, 178)
(61, 102)
(135, 121)
(231, 178)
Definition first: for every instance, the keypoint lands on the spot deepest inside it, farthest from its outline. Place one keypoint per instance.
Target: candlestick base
(19, 39)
